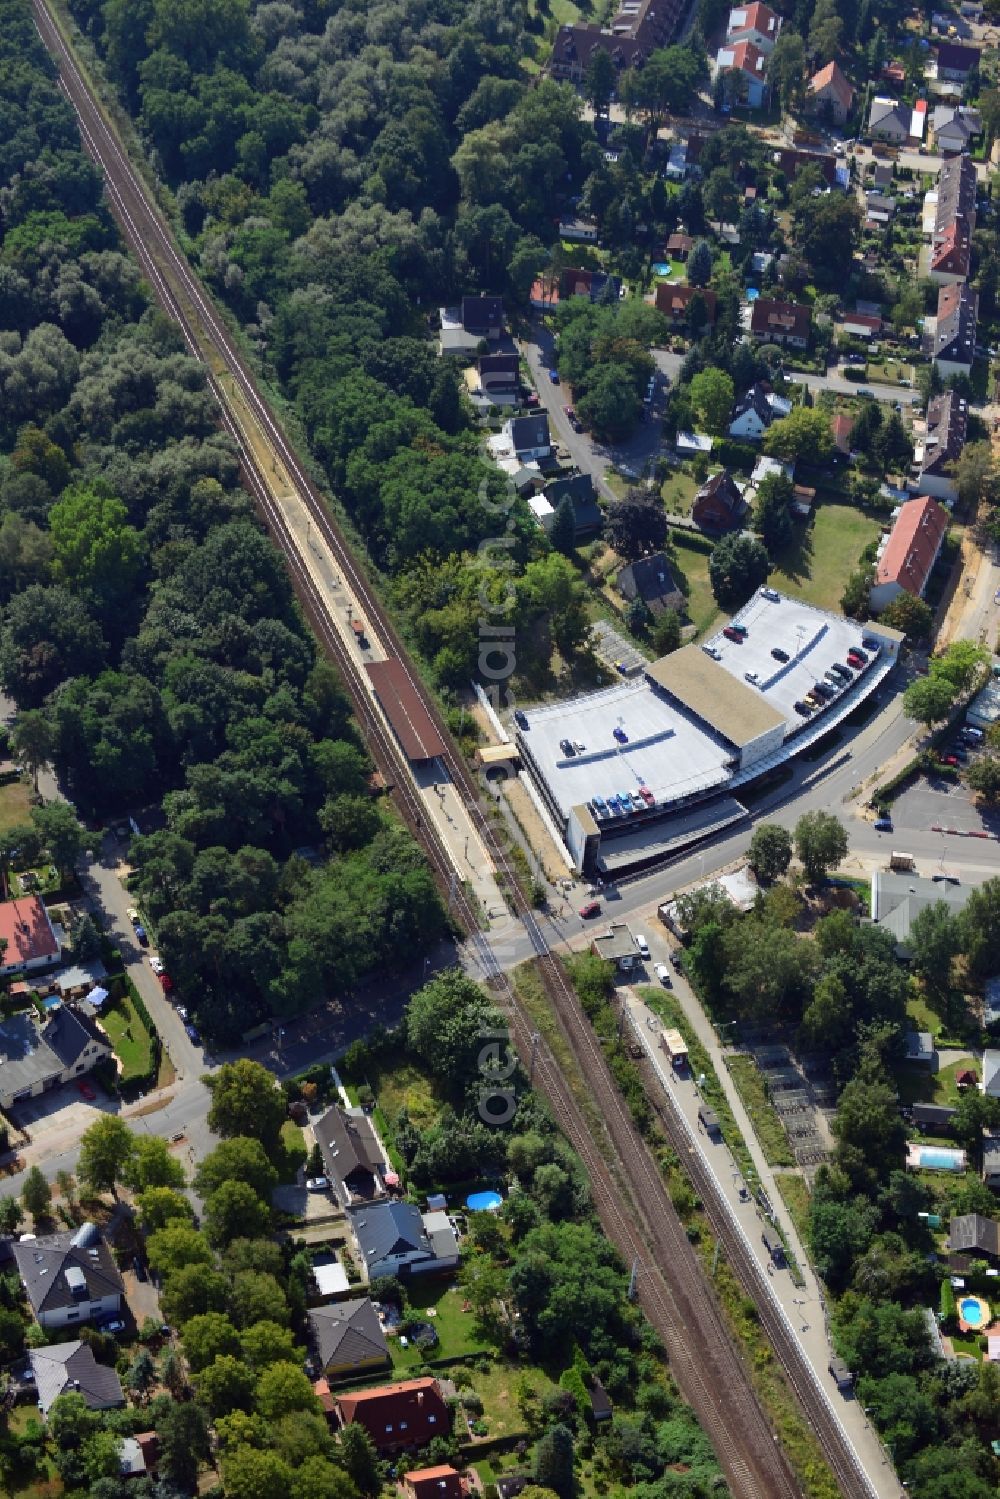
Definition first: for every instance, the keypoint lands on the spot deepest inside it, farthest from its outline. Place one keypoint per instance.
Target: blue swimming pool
(972, 1311)
(483, 1202)
(661, 268)
(942, 1160)
(752, 293)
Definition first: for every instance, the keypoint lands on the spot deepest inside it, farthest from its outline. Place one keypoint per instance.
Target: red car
(647, 795)
(86, 1090)
(591, 908)
(949, 759)
(732, 634)
(166, 982)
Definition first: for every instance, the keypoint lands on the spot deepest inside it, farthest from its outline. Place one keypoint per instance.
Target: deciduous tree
(820, 843)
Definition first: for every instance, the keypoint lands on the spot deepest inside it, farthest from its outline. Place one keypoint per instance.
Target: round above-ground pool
(973, 1313)
(483, 1202)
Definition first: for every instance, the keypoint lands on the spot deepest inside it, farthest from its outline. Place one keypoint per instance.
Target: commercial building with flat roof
(635, 771)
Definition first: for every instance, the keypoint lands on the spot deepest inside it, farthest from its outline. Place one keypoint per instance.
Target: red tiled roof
(841, 426)
(397, 1415)
(673, 300)
(442, 1482)
(746, 59)
(913, 544)
(788, 318)
(25, 926)
(756, 17)
(832, 78)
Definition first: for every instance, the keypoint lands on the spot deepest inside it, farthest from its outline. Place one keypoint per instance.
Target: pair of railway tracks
(630, 1199)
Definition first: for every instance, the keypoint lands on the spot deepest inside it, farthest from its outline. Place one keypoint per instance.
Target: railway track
(640, 1221)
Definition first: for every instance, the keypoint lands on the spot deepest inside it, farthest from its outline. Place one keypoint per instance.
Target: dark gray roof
(754, 399)
(32, 1052)
(947, 423)
(348, 1332)
(971, 1233)
(579, 490)
(955, 336)
(72, 1366)
(350, 1150)
(480, 313)
(43, 1263)
(498, 364)
(530, 431)
(936, 1114)
(393, 1229)
(649, 579)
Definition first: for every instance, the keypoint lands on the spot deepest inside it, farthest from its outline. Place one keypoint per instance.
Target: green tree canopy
(770, 851)
(820, 843)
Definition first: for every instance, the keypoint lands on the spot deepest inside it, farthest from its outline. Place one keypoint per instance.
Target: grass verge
(763, 1116)
(796, 1196)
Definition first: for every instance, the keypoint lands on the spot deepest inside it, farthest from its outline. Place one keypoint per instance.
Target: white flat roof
(331, 1279)
(668, 750)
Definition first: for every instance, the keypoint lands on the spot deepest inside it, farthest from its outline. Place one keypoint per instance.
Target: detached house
(719, 504)
(786, 323)
(754, 412)
(588, 517)
(947, 424)
(66, 1367)
(394, 1239)
(352, 1157)
(955, 64)
(830, 94)
(954, 341)
(464, 327)
(909, 553)
(395, 1416)
(954, 126)
(675, 301)
(69, 1278)
(751, 64)
(39, 1053)
(757, 24)
(888, 120)
(30, 941)
(348, 1337)
(650, 580)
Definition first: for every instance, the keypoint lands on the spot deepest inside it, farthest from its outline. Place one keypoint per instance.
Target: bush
(856, 372)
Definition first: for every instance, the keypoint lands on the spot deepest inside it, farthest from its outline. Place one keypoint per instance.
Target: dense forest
(341, 172)
(148, 625)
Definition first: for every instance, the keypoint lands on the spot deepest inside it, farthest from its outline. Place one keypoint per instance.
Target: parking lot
(938, 801)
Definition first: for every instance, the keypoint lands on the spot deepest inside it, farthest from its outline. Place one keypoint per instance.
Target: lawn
(764, 1117)
(890, 371)
(15, 804)
(294, 1152)
(796, 1195)
(497, 1388)
(455, 1329)
(816, 565)
(701, 607)
(399, 1085)
(920, 1085)
(678, 492)
(132, 1042)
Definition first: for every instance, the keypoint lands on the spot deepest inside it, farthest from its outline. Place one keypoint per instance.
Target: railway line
(640, 1220)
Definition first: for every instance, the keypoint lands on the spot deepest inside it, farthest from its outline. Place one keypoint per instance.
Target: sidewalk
(803, 1310)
